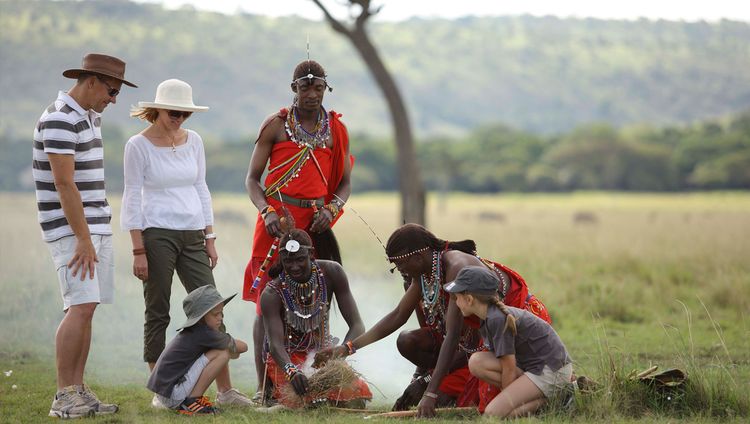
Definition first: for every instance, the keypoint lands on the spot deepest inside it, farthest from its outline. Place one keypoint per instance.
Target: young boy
(193, 359)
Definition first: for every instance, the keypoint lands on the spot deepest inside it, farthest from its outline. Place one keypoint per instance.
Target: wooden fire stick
(413, 412)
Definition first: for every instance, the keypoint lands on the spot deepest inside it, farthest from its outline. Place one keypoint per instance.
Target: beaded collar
(306, 311)
(298, 134)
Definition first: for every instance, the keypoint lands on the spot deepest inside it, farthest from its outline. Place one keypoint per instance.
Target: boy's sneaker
(91, 400)
(196, 405)
(233, 397)
(68, 403)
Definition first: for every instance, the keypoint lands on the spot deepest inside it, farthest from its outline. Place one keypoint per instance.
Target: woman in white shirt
(166, 207)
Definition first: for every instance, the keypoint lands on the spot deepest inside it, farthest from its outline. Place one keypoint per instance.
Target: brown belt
(300, 203)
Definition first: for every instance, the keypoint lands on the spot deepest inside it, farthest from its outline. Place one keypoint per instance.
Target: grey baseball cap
(199, 302)
(474, 279)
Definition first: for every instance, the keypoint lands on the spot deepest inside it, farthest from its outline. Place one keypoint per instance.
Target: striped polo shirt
(66, 129)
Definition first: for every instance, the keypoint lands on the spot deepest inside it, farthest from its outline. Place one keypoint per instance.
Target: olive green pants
(168, 251)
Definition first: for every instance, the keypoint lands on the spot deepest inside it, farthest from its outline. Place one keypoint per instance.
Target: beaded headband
(310, 77)
(406, 255)
(293, 246)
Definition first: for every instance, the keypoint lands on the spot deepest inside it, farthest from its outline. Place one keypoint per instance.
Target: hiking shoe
(156, 403)
(68, 403)
(233, 397)
(91, 400)
(196, 405)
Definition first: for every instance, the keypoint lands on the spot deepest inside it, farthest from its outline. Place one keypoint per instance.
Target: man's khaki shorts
(101, 288)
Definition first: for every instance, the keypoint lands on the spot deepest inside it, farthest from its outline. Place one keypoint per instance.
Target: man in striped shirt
(74, 215)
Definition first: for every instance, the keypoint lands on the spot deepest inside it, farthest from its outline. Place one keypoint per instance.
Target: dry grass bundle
(335, 375)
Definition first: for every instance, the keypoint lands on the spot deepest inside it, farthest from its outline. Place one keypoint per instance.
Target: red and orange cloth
(307, 184)
(356, 390)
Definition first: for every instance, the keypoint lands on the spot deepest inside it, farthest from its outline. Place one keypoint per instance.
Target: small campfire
(334, 376)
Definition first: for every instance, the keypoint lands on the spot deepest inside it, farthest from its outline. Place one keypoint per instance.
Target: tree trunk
(410, 180)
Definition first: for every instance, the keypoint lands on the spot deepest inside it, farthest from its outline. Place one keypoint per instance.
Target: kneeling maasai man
(295, 306)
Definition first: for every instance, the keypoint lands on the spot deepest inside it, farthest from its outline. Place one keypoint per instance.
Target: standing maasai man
(295, 307)
(306, 151)
(440, 350)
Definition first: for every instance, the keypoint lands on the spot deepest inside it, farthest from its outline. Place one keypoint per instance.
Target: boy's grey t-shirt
(535, 345)
(180, 354)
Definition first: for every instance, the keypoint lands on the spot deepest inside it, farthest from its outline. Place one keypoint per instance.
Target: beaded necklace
(298, 134)
(433, 308)
(306, 323)
(434, 302)
(501, 275)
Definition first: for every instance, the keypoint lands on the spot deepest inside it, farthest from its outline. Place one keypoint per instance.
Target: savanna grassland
(631, 280)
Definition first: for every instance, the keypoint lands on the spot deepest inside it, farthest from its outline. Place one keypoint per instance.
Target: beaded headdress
(310, 77)
(406, 255)
(293, 246)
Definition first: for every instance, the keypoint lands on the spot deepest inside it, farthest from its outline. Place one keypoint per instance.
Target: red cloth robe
(308, 185)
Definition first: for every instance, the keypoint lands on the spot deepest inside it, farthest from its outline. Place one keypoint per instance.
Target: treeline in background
(497, 104)
(706, 155)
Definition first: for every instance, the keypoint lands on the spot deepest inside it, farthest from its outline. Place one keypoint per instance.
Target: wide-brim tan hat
(174, 94)
(100, 64)
(200, 302)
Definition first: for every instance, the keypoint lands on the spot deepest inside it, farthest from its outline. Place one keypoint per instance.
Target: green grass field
(631, 280)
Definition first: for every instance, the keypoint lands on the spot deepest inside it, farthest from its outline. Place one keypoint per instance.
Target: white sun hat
(174, 94)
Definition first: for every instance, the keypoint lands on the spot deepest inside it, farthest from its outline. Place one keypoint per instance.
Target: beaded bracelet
(351, 347)
(265, 211)
(290, 370)
(333, 208)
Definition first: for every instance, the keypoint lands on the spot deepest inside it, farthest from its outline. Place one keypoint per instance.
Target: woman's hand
(321, 220)
(140, 267)
(213, 257)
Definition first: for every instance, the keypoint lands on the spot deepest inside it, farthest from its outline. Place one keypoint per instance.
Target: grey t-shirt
(535, 344)
(180, 354)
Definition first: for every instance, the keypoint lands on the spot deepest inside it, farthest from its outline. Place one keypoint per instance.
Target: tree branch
(335, 24)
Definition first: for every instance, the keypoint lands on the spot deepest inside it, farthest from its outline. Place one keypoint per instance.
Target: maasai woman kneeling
(526, 357)
(441, 347)
(295, 307)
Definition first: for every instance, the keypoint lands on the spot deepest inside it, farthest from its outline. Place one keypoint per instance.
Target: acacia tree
(410, 181)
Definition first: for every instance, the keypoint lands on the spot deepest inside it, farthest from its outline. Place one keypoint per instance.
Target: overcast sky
(394, 10)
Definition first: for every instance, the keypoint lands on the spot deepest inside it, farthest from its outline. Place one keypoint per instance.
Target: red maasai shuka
(308, 185)
(358, 389)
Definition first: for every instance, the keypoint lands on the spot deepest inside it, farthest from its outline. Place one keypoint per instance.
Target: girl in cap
(526, 357)
(166, 207)
(196, 356)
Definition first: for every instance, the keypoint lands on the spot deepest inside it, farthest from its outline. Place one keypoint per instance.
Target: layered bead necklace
(433, 304)
(298, 134)
(306, 312)
(433, 307)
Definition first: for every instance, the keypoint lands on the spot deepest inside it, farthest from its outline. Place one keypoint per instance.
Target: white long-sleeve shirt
(165, 187)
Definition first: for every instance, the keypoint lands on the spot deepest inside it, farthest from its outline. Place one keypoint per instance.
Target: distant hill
(544, 75)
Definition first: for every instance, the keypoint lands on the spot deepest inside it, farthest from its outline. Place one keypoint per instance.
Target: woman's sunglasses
(178, 113)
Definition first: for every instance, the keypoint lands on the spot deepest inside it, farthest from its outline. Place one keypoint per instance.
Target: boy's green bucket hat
(199, 302)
